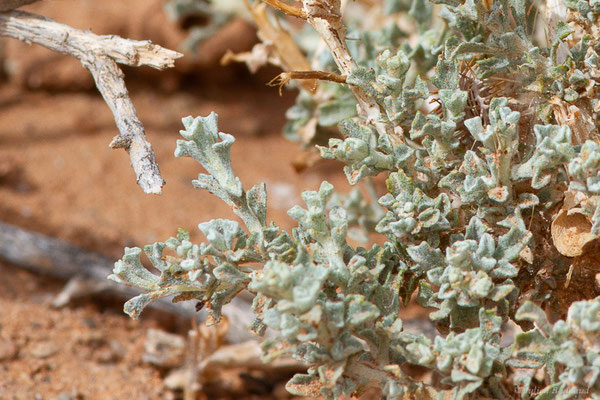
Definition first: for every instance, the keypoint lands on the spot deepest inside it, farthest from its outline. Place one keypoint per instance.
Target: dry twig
(275, 36)
(325, 16)
(285, 77)
(99, 54)
(193, 386)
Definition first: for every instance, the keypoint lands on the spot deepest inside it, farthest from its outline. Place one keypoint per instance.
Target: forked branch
(100, 55)
(325, 17)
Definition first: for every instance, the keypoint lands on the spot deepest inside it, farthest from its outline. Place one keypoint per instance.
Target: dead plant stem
(100, 55)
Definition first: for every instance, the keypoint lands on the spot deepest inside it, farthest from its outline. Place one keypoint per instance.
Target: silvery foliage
(569, 350)
(412, 214)
(463, 183)
(467, 361)
(475, 273)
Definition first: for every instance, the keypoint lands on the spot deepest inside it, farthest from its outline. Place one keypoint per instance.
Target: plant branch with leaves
(486, 133)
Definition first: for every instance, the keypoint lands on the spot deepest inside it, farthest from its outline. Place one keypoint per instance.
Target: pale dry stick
(99, 54)
(192, 386)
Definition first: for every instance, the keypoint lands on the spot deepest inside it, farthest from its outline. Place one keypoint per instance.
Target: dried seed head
(571, 232)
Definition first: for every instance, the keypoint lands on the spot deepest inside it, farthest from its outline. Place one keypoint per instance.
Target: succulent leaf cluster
(568, 349)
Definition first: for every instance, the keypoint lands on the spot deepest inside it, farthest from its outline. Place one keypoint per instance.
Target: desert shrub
(482, 116)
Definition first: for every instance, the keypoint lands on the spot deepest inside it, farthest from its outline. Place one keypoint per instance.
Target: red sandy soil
(58, 177)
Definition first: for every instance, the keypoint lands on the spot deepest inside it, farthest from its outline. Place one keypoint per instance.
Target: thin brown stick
(99, 54)
(286, 8)
(284, 78)
(320, 75)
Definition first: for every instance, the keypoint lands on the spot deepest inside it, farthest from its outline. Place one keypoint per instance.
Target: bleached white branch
(84, 45)
(99, 54)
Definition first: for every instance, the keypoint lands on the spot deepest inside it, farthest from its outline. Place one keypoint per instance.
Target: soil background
(58, 177)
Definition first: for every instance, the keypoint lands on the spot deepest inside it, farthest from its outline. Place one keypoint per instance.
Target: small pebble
(44, 349)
